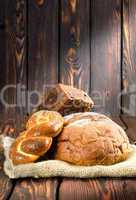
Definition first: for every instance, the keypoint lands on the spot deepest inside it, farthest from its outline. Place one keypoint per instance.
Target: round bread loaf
(46, 123)
(92, 139)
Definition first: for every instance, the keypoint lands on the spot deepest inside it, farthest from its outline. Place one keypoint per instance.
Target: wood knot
(71, 55)
(40, 2)
(73, 5)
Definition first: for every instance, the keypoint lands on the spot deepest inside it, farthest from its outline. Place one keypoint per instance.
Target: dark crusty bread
(66, 99)
(91, 139)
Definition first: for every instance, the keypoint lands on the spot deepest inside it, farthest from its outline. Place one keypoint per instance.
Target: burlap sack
(53, 168)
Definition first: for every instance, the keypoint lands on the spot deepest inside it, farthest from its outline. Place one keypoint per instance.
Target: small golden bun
(46, 123)
(28, 149)
(37, 139)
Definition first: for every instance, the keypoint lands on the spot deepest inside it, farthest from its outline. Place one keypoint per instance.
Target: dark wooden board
(129, 58)
(42, 47)
(2, 53)
(35, 189)
(98, 189)
(5, 186)
(13, 68)
(21, 62)
(105, 54)
(9, 70)
(131, 127)
(119, 121)
(75, 43)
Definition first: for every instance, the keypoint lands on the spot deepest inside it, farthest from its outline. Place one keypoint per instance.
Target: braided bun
(29, 149)
(43, 122)
(37, 139)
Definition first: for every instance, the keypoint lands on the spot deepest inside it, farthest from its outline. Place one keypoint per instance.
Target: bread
(46, 123)
(28, 149)
(93, 116)
(66, 99)
(92, 139)
(37, 139)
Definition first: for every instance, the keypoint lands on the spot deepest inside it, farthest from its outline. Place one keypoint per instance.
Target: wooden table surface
(69, 188)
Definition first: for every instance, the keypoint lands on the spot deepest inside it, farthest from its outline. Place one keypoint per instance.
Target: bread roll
(28, 149)
(92, 139)
(37, 139)
(46, 123)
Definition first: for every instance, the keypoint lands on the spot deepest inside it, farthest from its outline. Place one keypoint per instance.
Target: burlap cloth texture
(56, 168)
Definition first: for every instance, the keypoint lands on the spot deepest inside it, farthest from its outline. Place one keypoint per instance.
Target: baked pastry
(66, 99)
(46, 123)
(28, 149)
(92, 139)
(37, 139)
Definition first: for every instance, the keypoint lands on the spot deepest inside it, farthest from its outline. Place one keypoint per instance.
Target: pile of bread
(81, 137)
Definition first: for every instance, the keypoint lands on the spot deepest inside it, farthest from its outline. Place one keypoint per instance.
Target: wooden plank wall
(14, 63)
(2, 54)
(105, 54)
(88, 44)
(129, 57)
(75, 44)
(42, 47)
(20, 59)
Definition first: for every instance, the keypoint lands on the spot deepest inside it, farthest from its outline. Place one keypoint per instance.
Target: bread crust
(28, 149)
(37, 139)
(66, 99)
(46, 123)
(91, 139)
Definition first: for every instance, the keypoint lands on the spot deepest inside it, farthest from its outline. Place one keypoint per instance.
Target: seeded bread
(66, 100)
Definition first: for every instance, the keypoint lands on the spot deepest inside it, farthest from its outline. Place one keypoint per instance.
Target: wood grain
(75, 189)
(2, 53)
(131, 130)
(32, 189)
(119, 121)
(5, 186)
(105, 55)
(14, 69)
(75, 44)
(20, 56)
(42, 47)
(98, 189)
(129, 60)
(9, 70)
